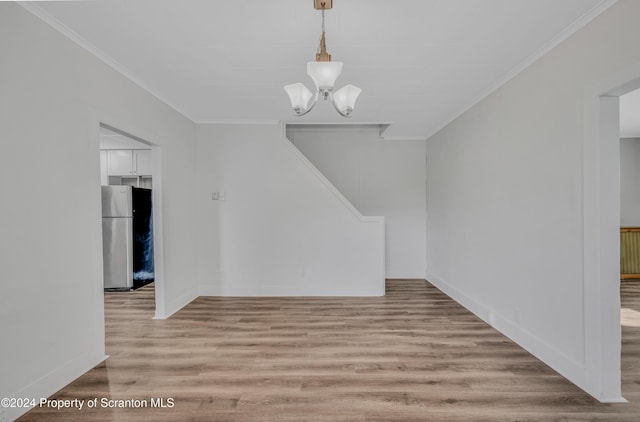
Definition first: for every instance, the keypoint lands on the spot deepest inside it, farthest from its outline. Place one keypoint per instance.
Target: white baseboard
(309, 290)
(404, 276)
(48, 384)
(572, 369)
(177, 304)
(208, 291)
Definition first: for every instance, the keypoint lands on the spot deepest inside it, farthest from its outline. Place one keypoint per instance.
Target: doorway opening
(129, 182)
(601, 232)
(629, 227)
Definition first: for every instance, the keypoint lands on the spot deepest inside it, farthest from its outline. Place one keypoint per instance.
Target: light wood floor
(414, 355)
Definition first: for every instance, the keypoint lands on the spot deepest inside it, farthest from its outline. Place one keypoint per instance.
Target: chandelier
(324, 73)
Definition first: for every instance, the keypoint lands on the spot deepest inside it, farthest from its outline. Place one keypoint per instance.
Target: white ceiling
(420, 63)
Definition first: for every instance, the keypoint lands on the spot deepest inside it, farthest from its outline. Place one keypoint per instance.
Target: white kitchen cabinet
(142, 161)
(120, 162)
(132, 167)
(129, 162)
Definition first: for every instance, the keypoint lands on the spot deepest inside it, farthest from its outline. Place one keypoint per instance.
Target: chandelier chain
(321, 34)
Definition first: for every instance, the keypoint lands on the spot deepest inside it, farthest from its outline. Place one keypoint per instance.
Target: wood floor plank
(413, 355)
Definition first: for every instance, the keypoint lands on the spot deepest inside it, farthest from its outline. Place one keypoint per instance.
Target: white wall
(378, 177)
(282, 228)
(505, 204)
(630, 114)
(630, 182)
(53, 94)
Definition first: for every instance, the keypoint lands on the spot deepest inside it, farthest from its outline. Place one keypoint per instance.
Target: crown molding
(237, 122)
(76, 38)
(404, 138)
(558, 39)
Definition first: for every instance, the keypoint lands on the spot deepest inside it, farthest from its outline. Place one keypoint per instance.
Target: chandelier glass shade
(324, 74)
(299, 96)
(344, 99)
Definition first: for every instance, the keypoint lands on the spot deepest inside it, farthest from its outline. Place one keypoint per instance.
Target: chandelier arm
(348, 116)
(313, 103)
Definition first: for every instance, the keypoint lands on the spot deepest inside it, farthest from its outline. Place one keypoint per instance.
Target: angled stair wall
(282, 229)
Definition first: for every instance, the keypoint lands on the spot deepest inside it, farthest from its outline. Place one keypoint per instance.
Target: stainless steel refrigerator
(127, 237)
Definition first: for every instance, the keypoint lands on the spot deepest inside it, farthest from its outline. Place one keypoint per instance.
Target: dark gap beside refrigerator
(143, 272)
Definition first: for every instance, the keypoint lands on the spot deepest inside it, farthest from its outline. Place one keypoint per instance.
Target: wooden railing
(629, 252)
